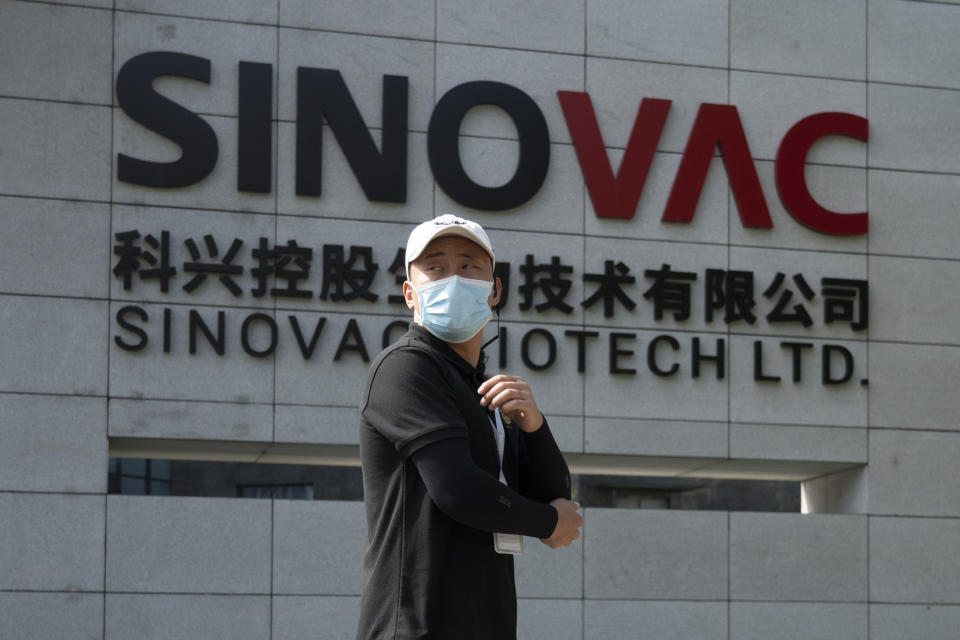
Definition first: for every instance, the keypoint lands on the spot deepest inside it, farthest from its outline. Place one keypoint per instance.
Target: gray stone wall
(875, 557)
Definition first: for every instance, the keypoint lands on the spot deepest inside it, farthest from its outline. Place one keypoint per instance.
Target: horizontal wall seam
(585, 54)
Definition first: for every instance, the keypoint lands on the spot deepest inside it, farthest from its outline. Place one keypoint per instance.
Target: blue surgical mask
(454, 309)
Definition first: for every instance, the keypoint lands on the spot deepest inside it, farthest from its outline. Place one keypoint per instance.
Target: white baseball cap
(445, 225)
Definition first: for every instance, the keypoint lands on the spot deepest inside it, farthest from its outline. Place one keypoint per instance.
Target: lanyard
(509, 543)
(500, 435)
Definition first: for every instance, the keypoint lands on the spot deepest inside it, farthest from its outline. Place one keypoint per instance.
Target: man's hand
(512, 395)
(568, 526)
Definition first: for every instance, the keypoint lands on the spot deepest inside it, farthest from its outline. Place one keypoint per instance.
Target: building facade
(728, 236)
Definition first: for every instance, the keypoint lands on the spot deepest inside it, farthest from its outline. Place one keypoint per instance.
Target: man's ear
(409, 294)
(494, 298)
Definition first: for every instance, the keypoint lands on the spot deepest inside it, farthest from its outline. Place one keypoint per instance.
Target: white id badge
(511, 543)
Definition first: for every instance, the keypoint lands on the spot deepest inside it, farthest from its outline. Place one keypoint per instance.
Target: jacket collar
(417, 332)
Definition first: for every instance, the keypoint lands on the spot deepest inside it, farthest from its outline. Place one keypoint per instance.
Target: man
(455, 466)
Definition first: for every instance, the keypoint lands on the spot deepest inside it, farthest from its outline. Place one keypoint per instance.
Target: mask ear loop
(491, 340)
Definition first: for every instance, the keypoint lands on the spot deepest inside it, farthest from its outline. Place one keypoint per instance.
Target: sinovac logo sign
(357, 283)
(323, 96)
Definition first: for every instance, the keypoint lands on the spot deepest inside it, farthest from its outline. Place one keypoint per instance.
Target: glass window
(277, 492)
(233, 479)
(312, 482)
(137, 476)
(132, 486)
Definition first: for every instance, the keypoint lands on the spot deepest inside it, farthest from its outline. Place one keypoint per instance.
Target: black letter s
(138, 99)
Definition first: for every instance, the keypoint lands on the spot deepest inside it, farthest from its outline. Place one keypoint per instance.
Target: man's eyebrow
(440, 252)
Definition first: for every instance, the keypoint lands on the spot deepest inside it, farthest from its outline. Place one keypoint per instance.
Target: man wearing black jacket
(456, 466)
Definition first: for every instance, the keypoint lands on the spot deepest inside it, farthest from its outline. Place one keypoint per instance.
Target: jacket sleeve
(544, 475)
(409, 403)
(473, 497)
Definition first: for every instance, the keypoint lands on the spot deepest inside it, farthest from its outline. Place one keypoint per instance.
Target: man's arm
(544, 474)
(473, 497)
(409, 402)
